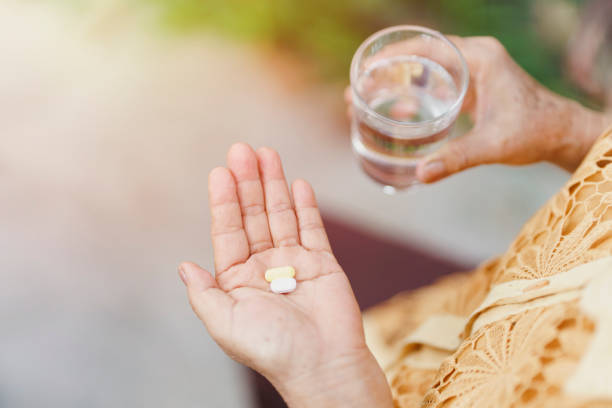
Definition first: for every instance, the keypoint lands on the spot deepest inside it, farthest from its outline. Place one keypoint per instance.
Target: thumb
(211, 304)
(456, 155)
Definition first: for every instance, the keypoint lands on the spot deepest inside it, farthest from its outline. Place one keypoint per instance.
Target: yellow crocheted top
(532, 328)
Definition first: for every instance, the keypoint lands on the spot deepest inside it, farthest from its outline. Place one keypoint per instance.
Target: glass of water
(408, 85)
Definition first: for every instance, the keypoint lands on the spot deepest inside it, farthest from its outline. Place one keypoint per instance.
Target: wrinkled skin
(516, 120)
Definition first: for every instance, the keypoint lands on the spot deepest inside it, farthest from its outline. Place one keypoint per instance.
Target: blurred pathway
(107, 132)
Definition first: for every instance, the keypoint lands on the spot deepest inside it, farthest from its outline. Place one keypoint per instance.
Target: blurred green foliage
(327, 32)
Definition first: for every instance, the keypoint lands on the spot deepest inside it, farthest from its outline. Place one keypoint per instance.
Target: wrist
(576, 129)
(349, 381)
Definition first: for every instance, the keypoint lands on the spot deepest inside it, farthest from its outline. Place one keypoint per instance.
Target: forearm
(343, 383)
(576, 129)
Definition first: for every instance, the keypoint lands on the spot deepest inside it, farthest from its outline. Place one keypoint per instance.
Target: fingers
(242, 162)
(348, 99)
(311, 230)
(348, 95)
(212, 305)
(229, 239)
(281, 217)
(459, 154)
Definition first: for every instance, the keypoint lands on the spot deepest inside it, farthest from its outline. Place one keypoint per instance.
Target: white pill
(283, 285)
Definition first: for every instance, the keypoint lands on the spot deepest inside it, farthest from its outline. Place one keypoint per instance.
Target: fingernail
(434, 170)
(182, 274)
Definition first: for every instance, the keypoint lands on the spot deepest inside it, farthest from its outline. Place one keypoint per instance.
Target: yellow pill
(280, 272)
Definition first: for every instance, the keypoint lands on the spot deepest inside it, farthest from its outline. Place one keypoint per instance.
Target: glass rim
(465, 73)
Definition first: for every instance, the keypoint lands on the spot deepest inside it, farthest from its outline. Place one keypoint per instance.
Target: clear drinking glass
(408, 85)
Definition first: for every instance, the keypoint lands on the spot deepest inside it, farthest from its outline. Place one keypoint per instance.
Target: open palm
(257, 225)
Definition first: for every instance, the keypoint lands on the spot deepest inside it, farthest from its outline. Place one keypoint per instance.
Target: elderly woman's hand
(309, 343)
(516, 120)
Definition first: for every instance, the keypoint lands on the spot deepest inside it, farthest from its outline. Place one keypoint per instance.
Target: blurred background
(111, 115)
